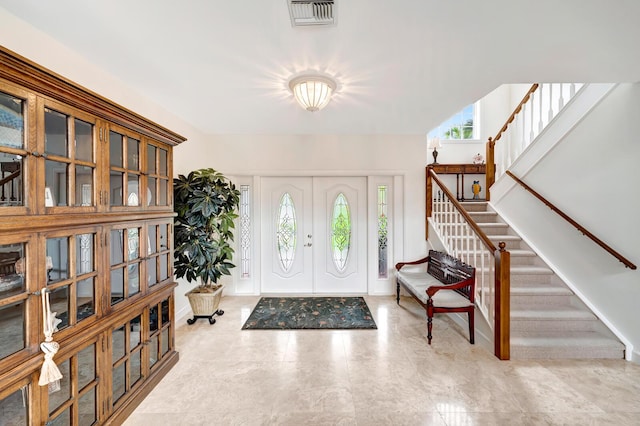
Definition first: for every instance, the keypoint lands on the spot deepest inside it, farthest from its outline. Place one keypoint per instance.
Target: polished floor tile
(388, 376)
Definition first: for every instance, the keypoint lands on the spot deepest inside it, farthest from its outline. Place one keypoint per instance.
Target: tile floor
(388, 376)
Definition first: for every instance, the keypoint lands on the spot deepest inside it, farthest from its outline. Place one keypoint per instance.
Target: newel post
(502, 330)
(490, 176)
(429, 203)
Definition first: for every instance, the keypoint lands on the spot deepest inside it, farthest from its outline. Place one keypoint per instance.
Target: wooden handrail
(9, 178)
(515, 112)
(483, 237)
(579, 227)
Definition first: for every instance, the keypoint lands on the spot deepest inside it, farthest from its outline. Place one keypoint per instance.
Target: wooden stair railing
(490, 177)
(5, 181)
(627, 263)
(501, 267)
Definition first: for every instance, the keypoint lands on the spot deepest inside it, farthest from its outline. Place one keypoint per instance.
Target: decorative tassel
(49, 374)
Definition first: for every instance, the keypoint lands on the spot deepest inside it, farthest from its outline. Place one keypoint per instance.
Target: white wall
(592, 174)
(403, 156)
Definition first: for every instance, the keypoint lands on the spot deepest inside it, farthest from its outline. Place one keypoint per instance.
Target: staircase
(547, 319)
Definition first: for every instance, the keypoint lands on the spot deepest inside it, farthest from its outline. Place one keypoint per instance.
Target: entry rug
(288, 313)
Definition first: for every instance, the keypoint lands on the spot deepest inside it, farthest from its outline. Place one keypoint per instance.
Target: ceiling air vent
(306, 12)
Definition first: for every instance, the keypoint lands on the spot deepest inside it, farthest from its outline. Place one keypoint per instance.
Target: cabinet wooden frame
(34, 222)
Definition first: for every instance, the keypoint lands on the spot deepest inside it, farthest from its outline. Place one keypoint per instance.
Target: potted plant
(205, 202)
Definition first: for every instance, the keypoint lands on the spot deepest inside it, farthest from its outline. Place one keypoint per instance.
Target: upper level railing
(579, 227)
(538, 107)
(464, 239)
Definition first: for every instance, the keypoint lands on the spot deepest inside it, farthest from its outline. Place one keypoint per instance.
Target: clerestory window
(463, 125)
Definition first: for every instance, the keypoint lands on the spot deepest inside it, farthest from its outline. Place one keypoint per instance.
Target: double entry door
(314, 235)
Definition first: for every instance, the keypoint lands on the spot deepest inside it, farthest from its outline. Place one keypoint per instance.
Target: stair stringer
(550, 264)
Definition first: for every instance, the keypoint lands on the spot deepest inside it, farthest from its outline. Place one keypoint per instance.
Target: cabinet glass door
(125, 260)
(70, 164)
(126, 356)
(72, 275)
(14, 297)
(160, 331)
(13, 151)
(159, 238)
(158, 181)
(14, 403)
(75, 402)
(124, 169)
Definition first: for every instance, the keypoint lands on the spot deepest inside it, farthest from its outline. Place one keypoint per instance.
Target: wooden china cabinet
(86, 214)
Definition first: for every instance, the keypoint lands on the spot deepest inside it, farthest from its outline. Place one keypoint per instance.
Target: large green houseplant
(206, 203)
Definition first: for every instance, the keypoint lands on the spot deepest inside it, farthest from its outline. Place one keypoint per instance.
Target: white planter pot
(205, 305)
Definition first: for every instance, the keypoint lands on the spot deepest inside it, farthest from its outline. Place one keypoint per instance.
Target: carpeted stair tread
(539, 290)
(530, 270)
(550, 313)
(578, 345)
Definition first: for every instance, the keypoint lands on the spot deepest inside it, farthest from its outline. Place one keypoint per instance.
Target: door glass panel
(152, 278)
(118, 342)
(117, 246)
(13, 408)
(151, 193)
(60, 305)
(62, 420)
(56, 399)
(165, 311)
(84, 253)
(383, 269)
(84, 186)
(12, 333)
(151, 159)
(164, 266)
(286, 232)
(115, 149)
(57, 259)
(340, 232)
(118, 381)
(164, 231)
(56, 183)
(152, 242)
(55, 133)
(165, 341)
(153, 350)
(162, 169)
(84, 140)
(85, 299)
(162, 193)
(87, 408)
(115, 182)
(134, 333)
(12, 269)
(11, 121)
(135, 366)
(133, 154)
(153, 318)
(133, 239)
(86, 366)
(117, 285)
(133, 274)
(11, 170)
(133, 190)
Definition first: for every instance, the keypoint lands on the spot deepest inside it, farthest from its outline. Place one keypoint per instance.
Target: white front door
(313, 237)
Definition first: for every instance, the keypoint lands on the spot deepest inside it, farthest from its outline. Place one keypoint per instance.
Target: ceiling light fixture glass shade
(313, 92)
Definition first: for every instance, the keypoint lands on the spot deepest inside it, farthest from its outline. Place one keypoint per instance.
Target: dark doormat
(288, 313)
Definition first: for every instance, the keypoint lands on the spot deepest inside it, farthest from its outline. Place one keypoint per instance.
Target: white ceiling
(402, 66)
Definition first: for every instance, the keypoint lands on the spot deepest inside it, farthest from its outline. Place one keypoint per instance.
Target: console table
(459, 170)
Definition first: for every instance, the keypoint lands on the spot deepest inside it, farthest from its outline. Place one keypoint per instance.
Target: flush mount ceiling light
(313, 92)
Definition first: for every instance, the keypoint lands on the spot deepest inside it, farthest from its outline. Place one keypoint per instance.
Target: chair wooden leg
(429, 327)
(471, 328)
(398, 293)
